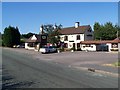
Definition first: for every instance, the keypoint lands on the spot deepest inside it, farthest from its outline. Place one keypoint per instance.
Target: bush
(66, 49)
(117, 63)
(73, 48)
(60, 49)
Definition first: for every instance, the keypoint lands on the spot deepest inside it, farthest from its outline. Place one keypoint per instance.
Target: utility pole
(117, 34)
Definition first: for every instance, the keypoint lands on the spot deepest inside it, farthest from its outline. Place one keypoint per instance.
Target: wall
(27, 47)
(86, 38)
(109, 47)
(119, 47)
(91, 48)
(72, 39)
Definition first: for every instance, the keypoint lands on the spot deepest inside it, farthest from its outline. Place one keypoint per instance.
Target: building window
(83, 46)
(61, 38)
(78, 45)
(78, 37)
(114, 45)
(91, 46)
(31, 44)
(87, 45)
(89, 35)
(89, 30)
(66, 38)
(65, 45)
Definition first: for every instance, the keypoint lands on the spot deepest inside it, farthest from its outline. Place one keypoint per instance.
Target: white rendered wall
(73, 38)
(91, 48)
(27, 47)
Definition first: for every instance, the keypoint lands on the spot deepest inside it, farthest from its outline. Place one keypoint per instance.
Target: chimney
(77, 24)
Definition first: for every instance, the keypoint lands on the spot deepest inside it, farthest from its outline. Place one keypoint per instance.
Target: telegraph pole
(117, 33)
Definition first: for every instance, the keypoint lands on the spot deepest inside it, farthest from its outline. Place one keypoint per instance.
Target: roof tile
(73, 30)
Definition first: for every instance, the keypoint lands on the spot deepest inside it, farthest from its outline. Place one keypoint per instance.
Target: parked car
(16, 46)
(48, 49)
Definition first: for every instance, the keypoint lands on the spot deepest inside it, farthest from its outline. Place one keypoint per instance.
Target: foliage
(66, 49)
(73, 48)
(0, 35)
(11, 36)
(116, 63)
(28, 35)
(97, 30)
(22, 41)
(53, 33)
(61, 49)
(108, 31)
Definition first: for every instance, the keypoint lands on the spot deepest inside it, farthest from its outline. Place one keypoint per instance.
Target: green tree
(11, 36)
(107, 31)
(53, 33)
(97, 31)
(28, 35)
(16, 36)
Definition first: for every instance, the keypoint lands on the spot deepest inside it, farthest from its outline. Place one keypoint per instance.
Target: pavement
(102, 69)
(80, 59)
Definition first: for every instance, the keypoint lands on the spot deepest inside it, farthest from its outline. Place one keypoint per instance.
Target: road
(21, 70)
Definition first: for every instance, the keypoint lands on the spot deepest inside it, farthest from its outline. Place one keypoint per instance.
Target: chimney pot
(77, 24)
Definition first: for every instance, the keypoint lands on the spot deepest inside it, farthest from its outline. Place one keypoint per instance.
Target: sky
(59, 0)
(28, 16)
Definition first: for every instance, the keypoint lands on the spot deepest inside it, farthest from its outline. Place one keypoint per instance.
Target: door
(74, 45)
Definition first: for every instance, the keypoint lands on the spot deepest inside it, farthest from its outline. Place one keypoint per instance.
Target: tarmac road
(21, 70)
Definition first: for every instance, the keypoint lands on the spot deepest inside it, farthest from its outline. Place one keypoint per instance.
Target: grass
(116, 63)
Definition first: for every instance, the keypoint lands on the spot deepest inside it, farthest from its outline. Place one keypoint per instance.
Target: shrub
(73, 48)
(61, 49)
(66, 49)
(117, 63)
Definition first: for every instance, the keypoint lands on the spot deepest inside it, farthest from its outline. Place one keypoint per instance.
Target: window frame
(78, 37)
(65, 38)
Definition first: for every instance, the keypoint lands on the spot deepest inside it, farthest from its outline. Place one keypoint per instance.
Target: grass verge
(117, 64)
